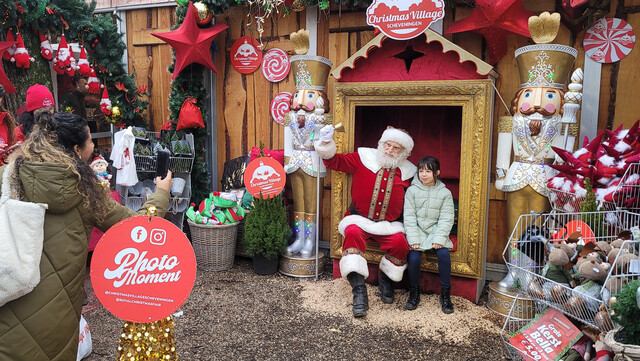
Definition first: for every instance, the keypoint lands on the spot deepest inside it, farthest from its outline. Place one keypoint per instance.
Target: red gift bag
(190, 115)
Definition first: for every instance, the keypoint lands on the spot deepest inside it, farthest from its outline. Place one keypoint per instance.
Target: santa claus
(382, 176)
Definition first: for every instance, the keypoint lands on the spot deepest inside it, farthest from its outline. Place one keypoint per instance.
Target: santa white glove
(326, 133)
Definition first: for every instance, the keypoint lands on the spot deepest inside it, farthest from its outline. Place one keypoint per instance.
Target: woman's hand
(415, 246)
(436, 246)
(164, 183)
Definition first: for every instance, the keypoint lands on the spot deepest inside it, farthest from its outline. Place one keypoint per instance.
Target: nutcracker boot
(310, 236)
(299, 231)
(360, 299)
(445, 300)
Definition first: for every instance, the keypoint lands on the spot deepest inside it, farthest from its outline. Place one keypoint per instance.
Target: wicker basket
(241, 250)
(214, 246)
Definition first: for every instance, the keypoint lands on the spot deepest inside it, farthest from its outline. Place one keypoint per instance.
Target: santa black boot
(360, 299)
(385, 285)
(445, 300)
(414, 298)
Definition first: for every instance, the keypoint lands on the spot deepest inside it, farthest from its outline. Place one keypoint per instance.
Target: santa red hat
(83, 64)
(98, 159)
(71, 69)
(21, 56)
(105, 102)
(45, 47)
(38, 96)
(12, 49)
(399, 136)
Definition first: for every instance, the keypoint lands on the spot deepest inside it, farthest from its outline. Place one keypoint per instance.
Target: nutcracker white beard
(388, 159)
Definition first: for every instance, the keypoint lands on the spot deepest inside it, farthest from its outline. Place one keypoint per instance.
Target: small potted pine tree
(266, 232)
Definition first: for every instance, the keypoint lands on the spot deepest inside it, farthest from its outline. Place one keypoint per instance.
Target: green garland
(100, 36)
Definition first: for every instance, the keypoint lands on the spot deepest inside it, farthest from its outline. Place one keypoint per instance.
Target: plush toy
(62, 61)
(198, 218)
(21, 57)
(603, 351)
(83, 64)
(45, 47)
(223, 206)
(556, 270)
(93, 84)
(10, 50)
(99, 166)
(105, 103)
(594, 274)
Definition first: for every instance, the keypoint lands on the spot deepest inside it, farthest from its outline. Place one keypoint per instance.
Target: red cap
(38, 96)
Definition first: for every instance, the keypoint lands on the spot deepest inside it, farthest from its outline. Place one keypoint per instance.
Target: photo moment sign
(404, 19)
(547, 337)
(143, 269)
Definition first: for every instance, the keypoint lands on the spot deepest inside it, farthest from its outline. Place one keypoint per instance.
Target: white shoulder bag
(21, 239)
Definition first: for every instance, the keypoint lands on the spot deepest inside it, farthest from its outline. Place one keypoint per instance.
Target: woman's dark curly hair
(52, 140)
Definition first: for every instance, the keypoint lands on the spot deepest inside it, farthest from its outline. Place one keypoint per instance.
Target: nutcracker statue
(306, 117)
(542, 117)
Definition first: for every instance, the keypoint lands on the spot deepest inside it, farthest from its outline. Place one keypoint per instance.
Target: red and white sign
(404, 19)
(609, 40)
(264, 175)
(246, 55)
(143, 269)
(280, 106)
(547, 337)
(586, 234)
(275, 65)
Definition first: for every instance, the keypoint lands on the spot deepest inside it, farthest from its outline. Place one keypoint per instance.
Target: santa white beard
(388, 159)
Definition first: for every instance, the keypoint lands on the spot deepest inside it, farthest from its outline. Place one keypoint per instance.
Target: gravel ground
(238, 315)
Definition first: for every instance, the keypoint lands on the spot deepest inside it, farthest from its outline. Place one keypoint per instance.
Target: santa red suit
(377, 204)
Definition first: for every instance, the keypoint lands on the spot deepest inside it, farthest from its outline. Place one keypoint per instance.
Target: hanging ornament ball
(298, 5)
(203, 15)
(116, 112)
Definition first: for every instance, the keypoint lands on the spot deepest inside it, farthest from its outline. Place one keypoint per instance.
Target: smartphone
(162, 166)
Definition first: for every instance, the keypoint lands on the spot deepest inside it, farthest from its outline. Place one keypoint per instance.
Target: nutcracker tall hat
(543, 64)
(310, 71)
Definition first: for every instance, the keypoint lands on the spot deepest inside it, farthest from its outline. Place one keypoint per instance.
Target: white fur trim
(632, 179)
(353, 263)
(394, 272)
(382, 228)
(398, 136)
(580, 152)
(368, 157)
(622, 147)
(623, 133)
(557, 182)
(579, 191)
(326, 151)
(607, 160)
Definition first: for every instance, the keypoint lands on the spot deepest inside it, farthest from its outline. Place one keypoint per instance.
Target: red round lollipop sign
(609, 40)
(246, 55)
(280, 106)
(143, 269)
(275, 65)
(264, 176)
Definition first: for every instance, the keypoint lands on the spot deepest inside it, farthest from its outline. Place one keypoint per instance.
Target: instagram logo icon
(158, 236)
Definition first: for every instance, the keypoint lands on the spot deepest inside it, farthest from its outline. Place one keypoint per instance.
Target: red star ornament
(494, 19)
(191, 43)
(4, 80)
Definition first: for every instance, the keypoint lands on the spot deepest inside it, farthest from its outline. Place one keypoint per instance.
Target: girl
(428, 218)
(52, 168)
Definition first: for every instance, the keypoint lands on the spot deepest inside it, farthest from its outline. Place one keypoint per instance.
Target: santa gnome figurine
(105, 103)
(93, 83)
(62, 61)
(21, 56)
(83, 64)
(45, 47)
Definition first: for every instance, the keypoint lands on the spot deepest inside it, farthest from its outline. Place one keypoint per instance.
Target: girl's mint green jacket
(428, 214)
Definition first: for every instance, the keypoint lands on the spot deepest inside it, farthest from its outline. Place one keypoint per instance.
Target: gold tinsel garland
(153, 341)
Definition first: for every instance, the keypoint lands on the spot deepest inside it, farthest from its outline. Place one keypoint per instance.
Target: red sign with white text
(143, 269)
(404, 19)
(547, 337)
(246, 55)
(264, 175)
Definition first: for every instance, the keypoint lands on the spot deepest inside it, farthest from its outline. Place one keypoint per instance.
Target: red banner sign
(264, 175)
(246, 55)
(547, 337)
(143, 269)
(404, 19)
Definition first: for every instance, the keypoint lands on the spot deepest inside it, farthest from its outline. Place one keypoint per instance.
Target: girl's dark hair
(8, 119)
(430, 163)
(52, 140)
